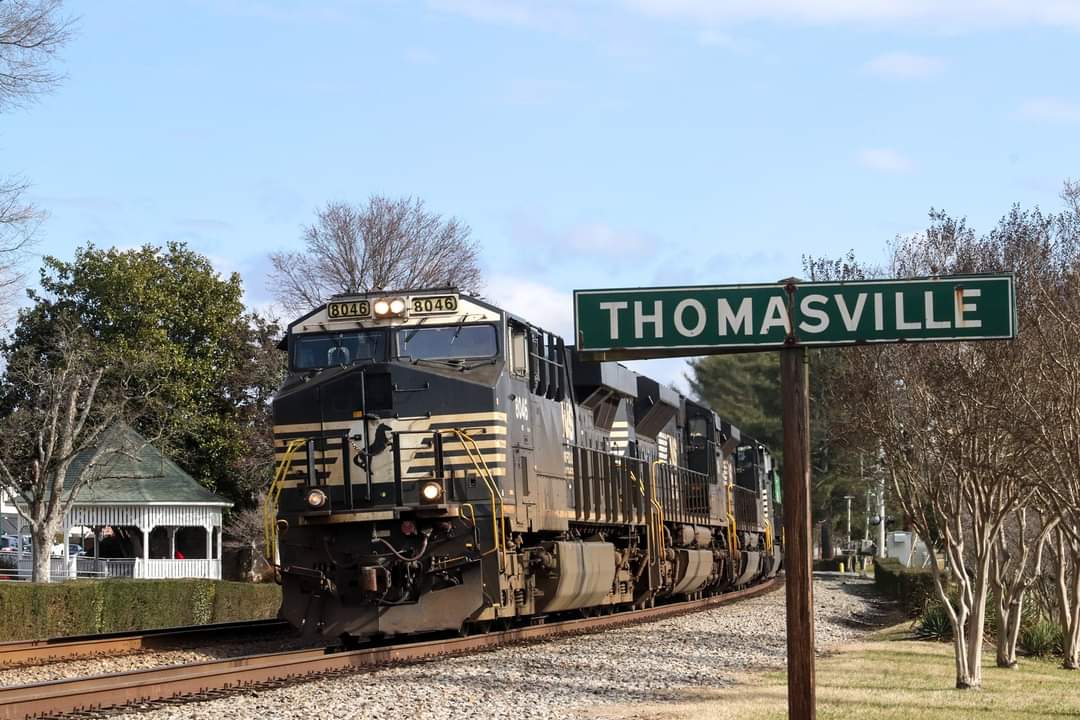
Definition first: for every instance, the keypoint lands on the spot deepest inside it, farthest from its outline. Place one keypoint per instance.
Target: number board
(348, 310)
(433, 305)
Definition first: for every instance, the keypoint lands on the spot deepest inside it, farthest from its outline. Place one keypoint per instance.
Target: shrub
(241, 601)
(934, 623)
(85, 607)
(1042, 638)
(912, 587)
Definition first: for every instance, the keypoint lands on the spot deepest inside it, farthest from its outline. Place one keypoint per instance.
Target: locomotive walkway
(196, 681)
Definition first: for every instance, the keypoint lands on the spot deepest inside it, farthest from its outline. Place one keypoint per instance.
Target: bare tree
(55, 433)
(957, 473)
(18, 221)
(385, 244)
(949, 423)
(1070, 193)
(246, 526)
(31, 33)
(1017, 565)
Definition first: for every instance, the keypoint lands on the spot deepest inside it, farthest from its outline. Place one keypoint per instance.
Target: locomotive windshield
(315, 352)
(459, 342)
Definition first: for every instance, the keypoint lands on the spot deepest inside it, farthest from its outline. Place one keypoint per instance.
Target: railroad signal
(641, 323)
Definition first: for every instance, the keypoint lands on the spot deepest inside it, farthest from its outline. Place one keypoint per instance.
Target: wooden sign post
(640, 323)
(798, 561)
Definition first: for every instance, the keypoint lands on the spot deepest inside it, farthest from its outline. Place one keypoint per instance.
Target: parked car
(9, 543)
(73, 549)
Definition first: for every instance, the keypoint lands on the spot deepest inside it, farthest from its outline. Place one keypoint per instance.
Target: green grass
(891, 680)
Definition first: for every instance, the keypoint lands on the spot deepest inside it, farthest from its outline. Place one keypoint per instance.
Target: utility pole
(794, 386)
(869, 505)
(881, 513)
(869, 509)
(848, 498)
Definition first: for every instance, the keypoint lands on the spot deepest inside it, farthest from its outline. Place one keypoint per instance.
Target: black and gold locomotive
(444, 464)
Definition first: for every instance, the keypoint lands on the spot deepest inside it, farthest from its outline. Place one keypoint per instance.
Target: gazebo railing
(89, 567)
(105, 567)
(188, 567)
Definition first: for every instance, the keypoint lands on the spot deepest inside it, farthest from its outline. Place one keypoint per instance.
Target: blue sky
(588, 144)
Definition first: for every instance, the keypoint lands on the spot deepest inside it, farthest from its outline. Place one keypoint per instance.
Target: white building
(140, 516)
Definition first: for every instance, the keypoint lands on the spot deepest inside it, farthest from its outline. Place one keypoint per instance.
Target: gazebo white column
(172, 542)
(209, 542)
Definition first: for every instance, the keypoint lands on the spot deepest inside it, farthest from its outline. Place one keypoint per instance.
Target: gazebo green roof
(136, 473)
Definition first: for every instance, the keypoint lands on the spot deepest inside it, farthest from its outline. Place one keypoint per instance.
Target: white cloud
(580, 242)
(715, 38)
(602, 239)
(552, 309)
(884, 160)
(534, 92)
(540, 304)
(554, 15)
(951, 15)
(420, 56)
(936, 15)
(1051, 109)
(904, 66)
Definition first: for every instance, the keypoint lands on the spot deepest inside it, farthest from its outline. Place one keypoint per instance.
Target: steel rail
(102, 692)
(18, 653)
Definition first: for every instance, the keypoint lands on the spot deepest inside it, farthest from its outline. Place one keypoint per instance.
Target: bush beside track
(85, 607)
(912, 587)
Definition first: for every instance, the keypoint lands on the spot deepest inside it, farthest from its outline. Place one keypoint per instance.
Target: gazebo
(144, 516)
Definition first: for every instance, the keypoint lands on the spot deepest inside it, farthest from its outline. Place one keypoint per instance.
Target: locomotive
(443, 464)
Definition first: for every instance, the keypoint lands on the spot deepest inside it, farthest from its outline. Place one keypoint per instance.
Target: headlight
(387, 307)
(431, 491)
(316, 498)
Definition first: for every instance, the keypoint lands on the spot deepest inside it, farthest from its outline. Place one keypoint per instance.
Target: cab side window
(519, 351)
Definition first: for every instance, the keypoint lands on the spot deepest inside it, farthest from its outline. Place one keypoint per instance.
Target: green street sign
(633, 323)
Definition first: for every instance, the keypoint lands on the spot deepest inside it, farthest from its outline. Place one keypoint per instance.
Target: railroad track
(20, 653)
(178, 683)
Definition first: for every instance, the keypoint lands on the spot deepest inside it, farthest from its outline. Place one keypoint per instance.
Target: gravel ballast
(142, 660)
(565, 679)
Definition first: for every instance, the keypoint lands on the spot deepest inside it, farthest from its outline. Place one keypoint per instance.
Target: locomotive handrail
(659, 507)
(733, 540)
(656, 513)
(497, 510)
(273, 497)
(768, 535)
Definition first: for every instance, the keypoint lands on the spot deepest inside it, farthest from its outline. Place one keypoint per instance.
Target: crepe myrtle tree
(383, 244)
(1054, 427)
(948, 422)
(57, 413)
(1017, 566)
(958, 475)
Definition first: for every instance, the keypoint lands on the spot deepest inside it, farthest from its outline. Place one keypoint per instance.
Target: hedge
(85, 607)
(912, 587)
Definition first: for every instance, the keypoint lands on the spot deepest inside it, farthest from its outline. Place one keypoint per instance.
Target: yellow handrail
(657, 505)
(732, 530)
(653, 507)
(273, 496)
(497, 508)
